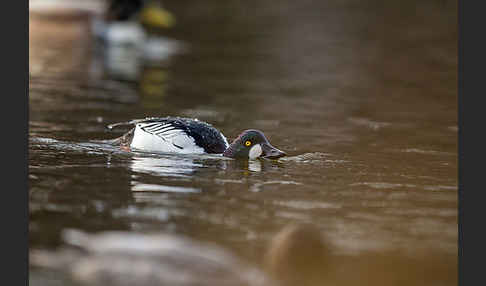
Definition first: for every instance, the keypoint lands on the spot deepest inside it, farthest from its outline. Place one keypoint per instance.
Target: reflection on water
(126, 62)
(122, 62)
(255, 166)
(361, 95)
(165, 166)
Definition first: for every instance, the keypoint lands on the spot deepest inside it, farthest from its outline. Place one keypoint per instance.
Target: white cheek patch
(255, 151)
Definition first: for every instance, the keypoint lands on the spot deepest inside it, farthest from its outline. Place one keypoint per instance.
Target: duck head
(252, 144)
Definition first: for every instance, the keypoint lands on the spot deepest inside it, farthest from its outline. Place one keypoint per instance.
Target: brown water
(363, 98)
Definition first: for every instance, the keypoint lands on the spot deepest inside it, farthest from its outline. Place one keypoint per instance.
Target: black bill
(270, 152)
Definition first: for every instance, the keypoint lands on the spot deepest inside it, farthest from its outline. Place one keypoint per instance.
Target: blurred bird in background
(131, 32)
(131, 19)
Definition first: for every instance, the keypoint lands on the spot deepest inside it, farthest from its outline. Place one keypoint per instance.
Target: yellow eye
(247, 143)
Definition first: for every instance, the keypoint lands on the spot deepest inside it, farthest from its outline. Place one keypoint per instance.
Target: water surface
(362, 97)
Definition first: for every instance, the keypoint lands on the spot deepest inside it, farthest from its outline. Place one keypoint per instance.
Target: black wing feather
(204, 134)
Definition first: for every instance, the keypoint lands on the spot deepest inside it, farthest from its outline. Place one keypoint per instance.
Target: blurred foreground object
(298, 255)
(124, 258)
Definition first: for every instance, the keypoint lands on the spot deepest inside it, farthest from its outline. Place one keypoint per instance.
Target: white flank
(163, 141)
(225, 141)
(255, 151)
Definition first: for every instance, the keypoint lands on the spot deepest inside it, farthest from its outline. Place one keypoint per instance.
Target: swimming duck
(191, 136)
